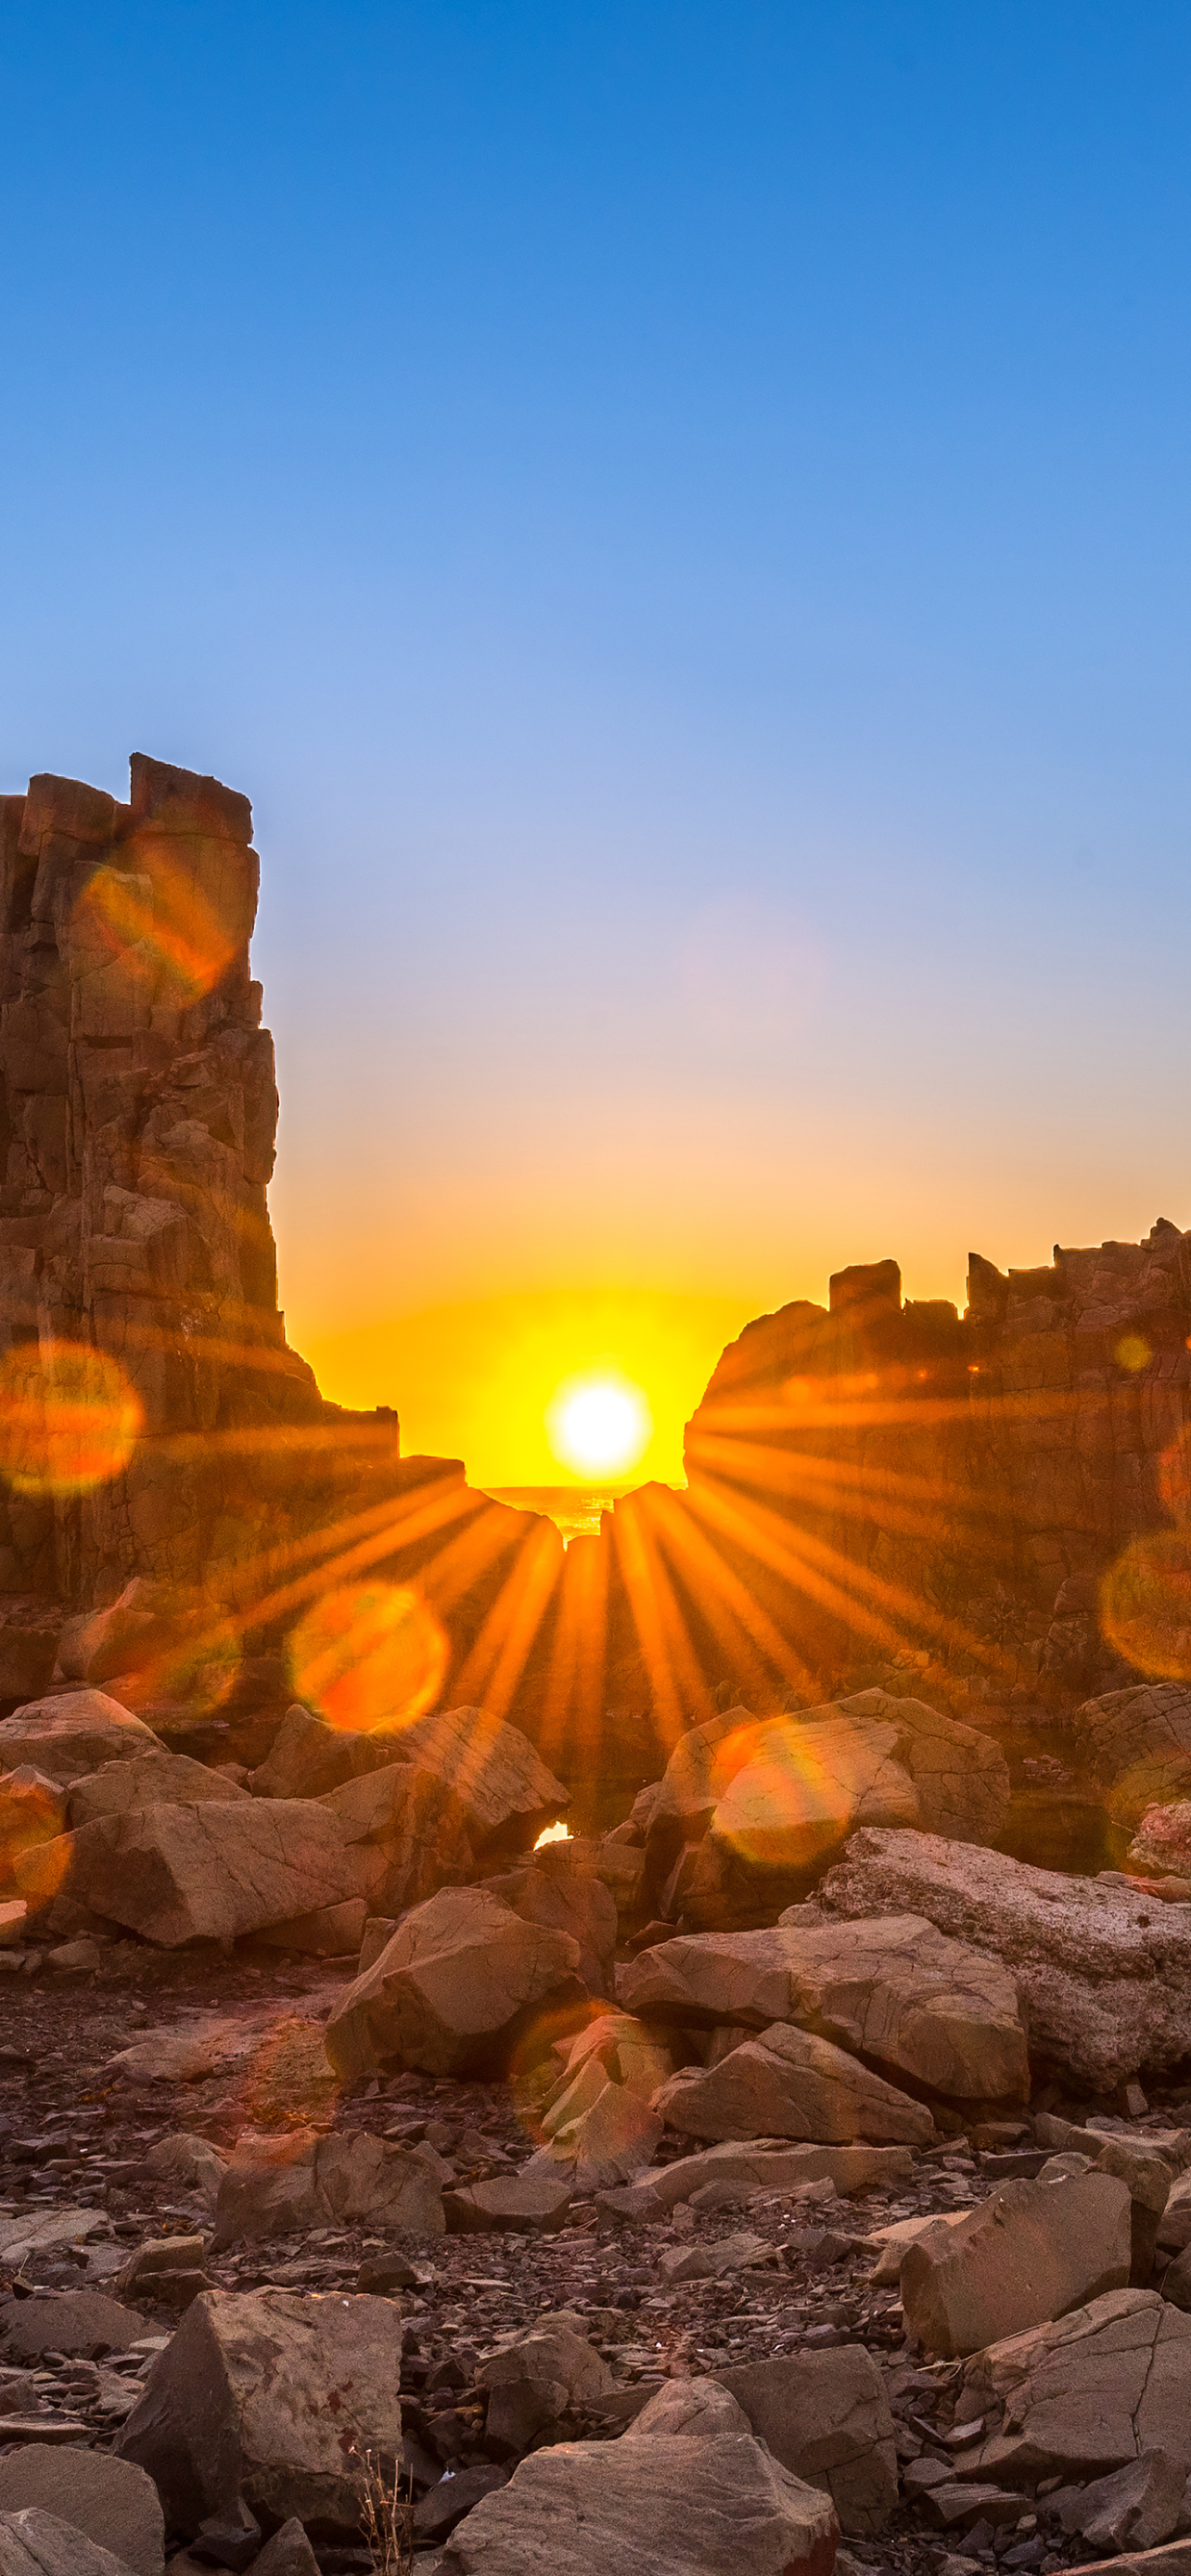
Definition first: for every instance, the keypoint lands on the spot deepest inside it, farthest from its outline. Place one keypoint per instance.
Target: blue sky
(678, 518)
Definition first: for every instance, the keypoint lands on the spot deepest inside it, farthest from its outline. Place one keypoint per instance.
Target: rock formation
(138, 1115)
(880, 1493)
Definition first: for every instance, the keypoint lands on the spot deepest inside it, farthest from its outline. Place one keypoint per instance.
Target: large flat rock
(152, 1779)
(1101, 1974)
(896, 1992)
(210, 1872)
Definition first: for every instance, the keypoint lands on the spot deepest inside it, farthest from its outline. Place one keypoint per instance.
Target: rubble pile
(566, 2233)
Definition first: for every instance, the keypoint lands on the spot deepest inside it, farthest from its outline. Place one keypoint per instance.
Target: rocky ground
(601, 2186)
(78, 2130)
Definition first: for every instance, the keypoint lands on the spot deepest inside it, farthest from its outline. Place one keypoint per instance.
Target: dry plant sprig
(387, 2516)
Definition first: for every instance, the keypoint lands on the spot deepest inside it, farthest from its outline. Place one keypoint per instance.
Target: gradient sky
(678, 518)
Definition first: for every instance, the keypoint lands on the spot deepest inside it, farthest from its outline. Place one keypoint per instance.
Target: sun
(598, 1423)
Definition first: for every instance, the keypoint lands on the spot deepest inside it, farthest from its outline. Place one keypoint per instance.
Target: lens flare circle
(598, 1423)
(369, 1657)
(68, 1418)
(162, 928)
(1145, 1604)
(33, 1846)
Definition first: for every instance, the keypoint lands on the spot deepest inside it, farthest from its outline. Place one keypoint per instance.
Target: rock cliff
(874, 1485)
(138, 1116)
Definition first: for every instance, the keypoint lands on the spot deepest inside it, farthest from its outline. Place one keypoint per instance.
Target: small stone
(436, 2514)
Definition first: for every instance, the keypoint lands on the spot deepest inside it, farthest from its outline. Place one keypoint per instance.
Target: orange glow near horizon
(478, 1381)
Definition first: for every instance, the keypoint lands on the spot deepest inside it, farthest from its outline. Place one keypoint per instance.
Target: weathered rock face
(110, 2502)
(1138, 1741)
(271, 2186)
(1019, 1446)
(1101, 1975)
(750, 1806)
(1089, 2393)
(139, 1113)
(826, 2417)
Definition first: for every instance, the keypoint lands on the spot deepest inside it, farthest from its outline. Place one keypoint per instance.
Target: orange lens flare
(33, 1847)
(68, 1418)
(369, 1656)
(1145, 1604)
(162, 927)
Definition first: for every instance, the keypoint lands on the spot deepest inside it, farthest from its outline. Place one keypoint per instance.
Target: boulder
(596, 2115)
(567, 1900)
(1030, 2252)
(505, 1789)
(109, 2501)
(1086, 2394)
(454, 1990)
(1138, 1741)
(1176, 2280)
(212, 1872)
(437, 2512)
(1100, 1974)
(889, 2243)
(1149, 2178)
(98, 1645)
(756, 1803)
(276, 2185)
(602, 2140)
(1174, 2225)
(537, 2381)
(895, 1991)
(410, 1832)
(308, 1757)
(1132, 2508)
(825, 2416)
(73, 1732)
(657, 2505)
(153, 1779)
(702, 2408)
(288, 2553)
(713, 2258)
(1162, 1842)
(788, 2084)
(270, 2398)
(33, 2543)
